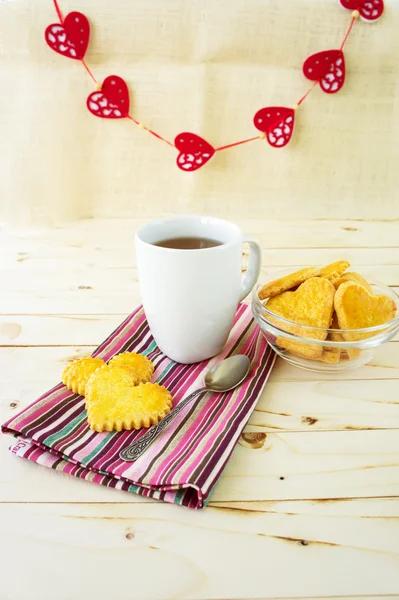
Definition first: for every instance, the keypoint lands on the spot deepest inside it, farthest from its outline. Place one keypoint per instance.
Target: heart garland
(369, 10)
(112, 101)
(328, 68)
(70, 38)
(195, 152)
(277, 122)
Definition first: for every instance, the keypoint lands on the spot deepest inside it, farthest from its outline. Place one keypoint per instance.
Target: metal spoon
(223, 377)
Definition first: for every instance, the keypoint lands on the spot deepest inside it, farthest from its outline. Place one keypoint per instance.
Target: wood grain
(202, 554)
(106, 234)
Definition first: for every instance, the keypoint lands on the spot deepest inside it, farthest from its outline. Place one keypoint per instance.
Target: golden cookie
(140, 366)
(76, 375)
(357, 309)
(114, 402)
(311, 304)
(334, 270)
(278, 286)
(352, 277)
(327, 355)
(335, 336)
(300, 349)
(330, 355)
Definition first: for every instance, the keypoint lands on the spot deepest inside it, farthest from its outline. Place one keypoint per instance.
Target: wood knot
(130, 535)
(303, 543)
(252, 439)
(13, 404)
(308, 420)
(10, 330)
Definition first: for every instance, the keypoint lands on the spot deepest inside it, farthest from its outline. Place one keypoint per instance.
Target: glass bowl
(319, 349)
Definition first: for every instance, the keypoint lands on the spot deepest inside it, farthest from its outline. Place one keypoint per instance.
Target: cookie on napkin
(114, 401)
(76, 375)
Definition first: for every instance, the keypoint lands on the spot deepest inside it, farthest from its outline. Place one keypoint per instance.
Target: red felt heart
(195, 152)
(71, 37)
(328, 68)
(370, 10)
(112, 101)
(278, 124)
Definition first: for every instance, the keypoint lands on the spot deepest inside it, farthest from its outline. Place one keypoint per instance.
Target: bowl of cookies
(325, 318)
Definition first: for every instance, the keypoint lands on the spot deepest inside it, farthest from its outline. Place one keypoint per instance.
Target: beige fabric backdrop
(206, 67)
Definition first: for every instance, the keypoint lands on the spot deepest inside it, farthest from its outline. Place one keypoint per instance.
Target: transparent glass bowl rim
(261, 312)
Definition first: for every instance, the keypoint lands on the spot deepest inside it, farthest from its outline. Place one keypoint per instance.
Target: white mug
(190, 297)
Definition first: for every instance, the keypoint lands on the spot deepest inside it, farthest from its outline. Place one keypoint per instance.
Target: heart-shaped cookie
(277, 122)
(195, 152)
(114, 402)
(328, 68)
(278, 286)
(71, 37)
(138, 365)
(310, 305)
(352, 276)
(356, 308)
(76, 375)
(334, 270)
(370, 10)
(112, 101)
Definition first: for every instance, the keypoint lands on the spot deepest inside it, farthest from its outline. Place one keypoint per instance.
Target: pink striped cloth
(183, 465)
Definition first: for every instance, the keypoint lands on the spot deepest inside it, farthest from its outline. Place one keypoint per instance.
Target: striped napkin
(183, 465)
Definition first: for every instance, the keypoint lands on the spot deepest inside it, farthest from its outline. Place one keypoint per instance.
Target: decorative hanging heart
(277, 122)
(71, 37)
(370, 10)
(328, 68)
(195, 152)
(112, 101)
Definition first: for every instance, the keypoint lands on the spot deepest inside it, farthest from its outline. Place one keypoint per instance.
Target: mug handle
(253, 269)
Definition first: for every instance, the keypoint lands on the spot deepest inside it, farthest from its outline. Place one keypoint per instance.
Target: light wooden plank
(218, 553)
(59, 330)
(332, 464)
(47, 363)
(283, 406)
(110, 258)
(289, 466)
(56, 330)
(326, 405)
(92, 291)
(272, 233)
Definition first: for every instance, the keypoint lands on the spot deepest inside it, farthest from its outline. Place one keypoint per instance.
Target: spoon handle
(136, 449)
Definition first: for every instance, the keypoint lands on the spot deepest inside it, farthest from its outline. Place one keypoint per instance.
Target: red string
(348, 32)
(159, 137)
(88, 70)
(151, 131)
(310, 90)
(134, 120)
(59, 13)
(237, 143)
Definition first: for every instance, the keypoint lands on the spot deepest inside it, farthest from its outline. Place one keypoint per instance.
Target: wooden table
(313, 513)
